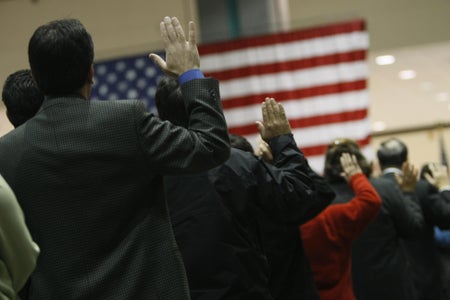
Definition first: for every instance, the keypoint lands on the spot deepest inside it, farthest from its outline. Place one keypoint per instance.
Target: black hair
(333, 168)
(60, 54)
(240, 142)
(425, 170)
(169, 102)
(21, 96)
(392, 153)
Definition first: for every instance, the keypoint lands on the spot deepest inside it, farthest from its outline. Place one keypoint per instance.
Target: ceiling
(418, 102)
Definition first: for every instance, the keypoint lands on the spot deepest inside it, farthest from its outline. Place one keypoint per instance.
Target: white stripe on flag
(284, 52)
(285, 81)
(307, 107)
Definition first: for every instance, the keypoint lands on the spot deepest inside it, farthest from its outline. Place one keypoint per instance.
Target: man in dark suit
(219, 226)
(392, 155)
(88, 174)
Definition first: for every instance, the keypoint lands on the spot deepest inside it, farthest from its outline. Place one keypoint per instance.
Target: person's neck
(392, 170)
(85, 91)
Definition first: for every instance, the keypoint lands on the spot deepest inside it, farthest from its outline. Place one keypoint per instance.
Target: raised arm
(348, 220)
(204, 143)
(293, 187)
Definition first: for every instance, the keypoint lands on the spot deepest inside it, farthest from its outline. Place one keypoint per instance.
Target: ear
(90, 77)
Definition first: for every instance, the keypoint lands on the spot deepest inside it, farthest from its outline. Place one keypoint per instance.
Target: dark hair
(425, 170)
(21, 96)
(333, 168)
(169, 102)
(392, 153)
(240, 142)
(61, 54)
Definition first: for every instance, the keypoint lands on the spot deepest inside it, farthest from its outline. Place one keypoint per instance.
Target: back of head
(169, 102)
(60, 54)
(240, 142)
(21, 96)
(333, 168)
(392, 153)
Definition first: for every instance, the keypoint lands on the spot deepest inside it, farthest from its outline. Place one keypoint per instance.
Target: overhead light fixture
(383, 60)
(407, 74)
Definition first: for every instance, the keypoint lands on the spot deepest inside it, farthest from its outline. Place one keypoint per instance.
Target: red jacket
(328, 239)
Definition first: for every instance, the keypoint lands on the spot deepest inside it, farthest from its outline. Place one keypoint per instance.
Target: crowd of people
(104, 200)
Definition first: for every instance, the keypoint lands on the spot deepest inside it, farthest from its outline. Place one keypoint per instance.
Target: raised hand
(408, 180)
(274, 122)
(264, 151)
(350, 166)
(181, 54)
(439, 175)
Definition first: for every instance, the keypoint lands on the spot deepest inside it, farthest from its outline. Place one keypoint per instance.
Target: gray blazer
(88, 175)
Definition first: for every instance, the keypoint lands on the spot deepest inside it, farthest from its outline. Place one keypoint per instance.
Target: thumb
(260, 128)
(158, 60)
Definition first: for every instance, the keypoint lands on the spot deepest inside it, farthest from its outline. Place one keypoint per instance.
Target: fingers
(172, 31)
(270, 108)
(164, 34)
(169, 29)
(409, 170)
(281, 111)
(178, 30)
(345, 158)
(265, 114)
(192, 37)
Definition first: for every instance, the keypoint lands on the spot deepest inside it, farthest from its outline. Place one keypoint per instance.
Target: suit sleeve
(204, 144)
(290, 185)
(406, 214)
(348, 220)
(436, 208)
(18, 252)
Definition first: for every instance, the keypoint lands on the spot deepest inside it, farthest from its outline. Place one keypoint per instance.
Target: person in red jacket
(328, 237)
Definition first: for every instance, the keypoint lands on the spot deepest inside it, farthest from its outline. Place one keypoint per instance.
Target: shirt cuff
(190, 75)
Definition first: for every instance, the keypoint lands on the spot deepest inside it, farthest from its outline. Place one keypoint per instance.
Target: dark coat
(423, 250)
(290, 272)
(218, 217)
(380, 266)
(88, 175)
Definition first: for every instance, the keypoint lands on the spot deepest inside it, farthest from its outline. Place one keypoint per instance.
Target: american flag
(319, 75)
(134, 77)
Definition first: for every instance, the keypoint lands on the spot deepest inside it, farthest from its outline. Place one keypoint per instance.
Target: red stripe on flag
(296, 94)
(299, 64)
(308, 122)
(321, 149)
(327, 30)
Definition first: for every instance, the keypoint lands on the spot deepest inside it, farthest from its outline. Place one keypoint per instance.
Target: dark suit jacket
(88, 175)
(423, 250)
(219, 224)
(380, 265)
(291, 277)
